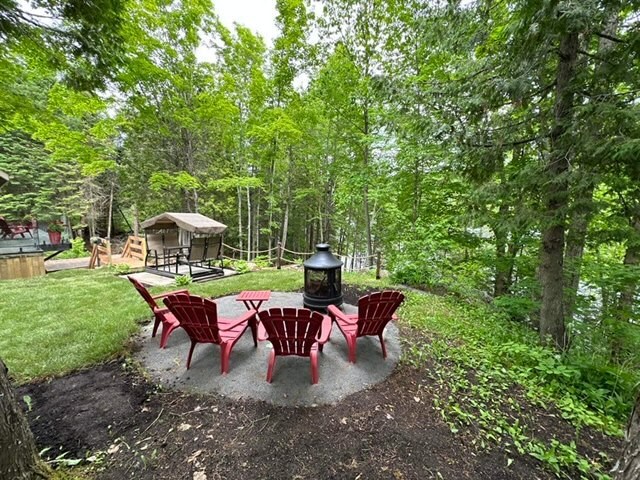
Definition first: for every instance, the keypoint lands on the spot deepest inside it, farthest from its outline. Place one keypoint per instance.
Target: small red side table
(253, 300)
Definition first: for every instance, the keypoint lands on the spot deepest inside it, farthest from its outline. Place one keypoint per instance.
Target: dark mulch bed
(135, 431)
(389, 431)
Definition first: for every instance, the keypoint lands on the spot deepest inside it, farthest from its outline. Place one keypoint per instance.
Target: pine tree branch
(508, 144)
(609, 37)
(596, 57)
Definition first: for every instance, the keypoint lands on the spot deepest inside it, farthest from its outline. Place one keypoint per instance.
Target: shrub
(262, 261)
(515, 307)
(240, 266)
(78, 250)
(120, 269)
(183, 280)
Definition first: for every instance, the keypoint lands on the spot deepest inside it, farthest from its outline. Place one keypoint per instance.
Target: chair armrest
(244, 318)
(175, 292)
(325, 331)
(335, 313)
(262, 333)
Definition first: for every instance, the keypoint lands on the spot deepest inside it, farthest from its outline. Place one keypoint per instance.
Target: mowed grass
(64, 321)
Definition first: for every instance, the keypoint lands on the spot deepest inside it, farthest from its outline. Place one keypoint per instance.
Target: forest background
(488, 149)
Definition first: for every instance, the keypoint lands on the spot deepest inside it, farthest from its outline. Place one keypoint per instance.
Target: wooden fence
(100, 253)
(135, 249)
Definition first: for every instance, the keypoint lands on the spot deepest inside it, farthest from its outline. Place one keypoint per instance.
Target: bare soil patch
(390, 431)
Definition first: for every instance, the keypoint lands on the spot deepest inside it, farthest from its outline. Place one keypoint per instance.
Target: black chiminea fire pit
(322, 280)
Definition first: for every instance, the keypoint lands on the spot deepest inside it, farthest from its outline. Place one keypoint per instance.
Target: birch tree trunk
(285, 225)
(239, 191)
(365, 192)
(248, 224)
(110, 218)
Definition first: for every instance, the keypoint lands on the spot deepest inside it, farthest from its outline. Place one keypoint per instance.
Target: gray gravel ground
(248, 366)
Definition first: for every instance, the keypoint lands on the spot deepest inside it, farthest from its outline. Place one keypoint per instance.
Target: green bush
(119, 269)
(515, 307)
(262, 261)
(78, 250)
(183, 280)
(240, 266)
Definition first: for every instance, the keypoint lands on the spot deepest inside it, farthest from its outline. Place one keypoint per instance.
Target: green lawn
(65, 320)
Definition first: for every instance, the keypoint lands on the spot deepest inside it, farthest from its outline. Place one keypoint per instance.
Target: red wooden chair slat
(162, 314)
(294, 331)
(199, 318)
(375, 311)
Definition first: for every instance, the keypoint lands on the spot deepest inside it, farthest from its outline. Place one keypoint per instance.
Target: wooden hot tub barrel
(21, 265)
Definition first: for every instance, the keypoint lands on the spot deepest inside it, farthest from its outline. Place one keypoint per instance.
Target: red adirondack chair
(375, 311)
(11, 231)
(162, 314)
(294, 331)
(199, 318)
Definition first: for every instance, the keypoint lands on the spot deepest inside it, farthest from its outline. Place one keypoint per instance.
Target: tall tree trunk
(248, 224)
(556, 189)
(502, 266)
(577, 234)
(627, 295)
(18, 454)
(328, 210)
(256, 224)
(365, 191)
(240, 232)
(285, 225)
(272, 174)
(512, 253)
(576, 239)
(110, 216)
(94, 213)
(136, 220)
(628, 467)
(310, 243)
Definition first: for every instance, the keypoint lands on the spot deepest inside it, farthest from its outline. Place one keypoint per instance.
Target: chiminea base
(320, 304)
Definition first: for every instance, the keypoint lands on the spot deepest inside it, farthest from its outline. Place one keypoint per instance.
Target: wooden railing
(136, 247)
(100, 253)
